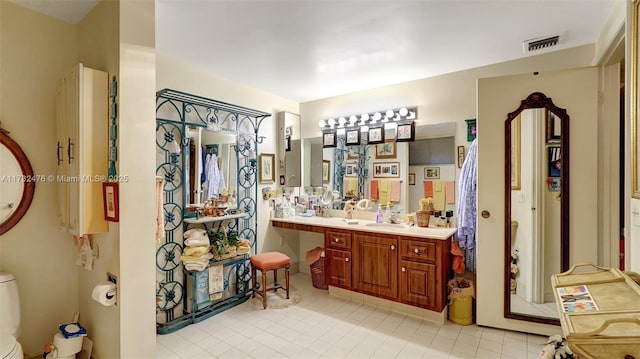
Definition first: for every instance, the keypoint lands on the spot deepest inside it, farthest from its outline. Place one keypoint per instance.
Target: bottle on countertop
(379, 214)
(387, 212)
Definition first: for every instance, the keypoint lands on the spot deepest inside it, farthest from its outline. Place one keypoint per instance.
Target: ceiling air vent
(540, 43)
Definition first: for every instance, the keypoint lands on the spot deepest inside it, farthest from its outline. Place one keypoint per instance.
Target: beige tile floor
(322, 326)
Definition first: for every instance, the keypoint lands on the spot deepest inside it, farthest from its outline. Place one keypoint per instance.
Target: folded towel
(216, 279)
(450, 192)
(196, 242)
(201, 258)
(195, 266)
(428, 189)
(395, 191)
(374, 190)
(195, 251)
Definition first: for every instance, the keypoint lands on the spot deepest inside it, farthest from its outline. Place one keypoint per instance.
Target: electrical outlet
(112, 278)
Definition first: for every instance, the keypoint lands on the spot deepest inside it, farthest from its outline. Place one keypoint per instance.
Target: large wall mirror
(290, 151)
(17, 193)
(536, 207)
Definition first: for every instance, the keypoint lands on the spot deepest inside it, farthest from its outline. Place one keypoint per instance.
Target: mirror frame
(536, 100)
(29, 181)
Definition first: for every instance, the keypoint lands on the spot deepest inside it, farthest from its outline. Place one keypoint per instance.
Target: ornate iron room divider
(179, 293)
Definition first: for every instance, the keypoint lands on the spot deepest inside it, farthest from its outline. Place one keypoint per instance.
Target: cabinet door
(376, 265)
(418, 284)
(338, 268)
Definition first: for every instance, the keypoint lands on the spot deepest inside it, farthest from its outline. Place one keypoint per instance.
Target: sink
(391, 225)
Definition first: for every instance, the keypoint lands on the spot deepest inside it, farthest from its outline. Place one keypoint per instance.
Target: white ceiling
(310, 49)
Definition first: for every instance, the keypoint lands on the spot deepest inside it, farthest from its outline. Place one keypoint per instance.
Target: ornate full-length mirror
(536, 207)
(17, 190)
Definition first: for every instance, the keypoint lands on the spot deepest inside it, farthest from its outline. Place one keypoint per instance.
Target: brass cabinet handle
(59, 147)
(486, 214)
(69, 144)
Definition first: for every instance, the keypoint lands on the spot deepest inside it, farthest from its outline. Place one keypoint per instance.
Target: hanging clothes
(467, 210)
(213, 177)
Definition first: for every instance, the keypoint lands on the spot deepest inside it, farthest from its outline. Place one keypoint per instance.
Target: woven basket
(317, 274)
(422, 218)
(230, 251)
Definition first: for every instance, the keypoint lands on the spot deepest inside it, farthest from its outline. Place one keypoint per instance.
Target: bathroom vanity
(390, 265)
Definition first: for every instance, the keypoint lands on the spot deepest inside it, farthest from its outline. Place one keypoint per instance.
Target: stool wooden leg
(253, 281)
(264, 289)
(275, 279)
(286, 276)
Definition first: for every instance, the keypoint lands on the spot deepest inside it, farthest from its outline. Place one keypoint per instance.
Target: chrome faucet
(395, 217)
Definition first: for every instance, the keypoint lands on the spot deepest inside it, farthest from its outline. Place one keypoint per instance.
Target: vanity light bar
(371, 118)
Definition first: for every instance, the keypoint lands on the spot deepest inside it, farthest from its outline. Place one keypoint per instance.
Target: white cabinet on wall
(82, 143)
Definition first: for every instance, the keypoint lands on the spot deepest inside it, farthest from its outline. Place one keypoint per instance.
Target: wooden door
(376, 265)
(338, 268)
(418, 284)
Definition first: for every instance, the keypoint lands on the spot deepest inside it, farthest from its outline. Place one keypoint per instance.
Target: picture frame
(375, 135)
(386, 149)
(267, 168)
(412, 179)
(515, 153)
(553, 128)
(461, 156)
(329, 139)
(406, 132)
(326, 171)
(472, 129)
(431, 173)
(386, 169)
(352, 137)
(554, 161)
(351, 170)
(212, 149)
(110, 201)
(352, 156)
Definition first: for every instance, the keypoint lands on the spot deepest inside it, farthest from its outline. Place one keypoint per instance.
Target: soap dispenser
(379, 215)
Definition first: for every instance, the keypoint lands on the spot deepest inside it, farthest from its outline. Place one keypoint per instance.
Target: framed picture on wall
(472, 130)
(554, 161)
(352, 137)
(267, 168)
(412, 179)
(554, 131)
(376, 135)
(386, 149)
(431, 172)
(329, 139)
(110, 201)
(406, 132)
(386, 169)
(461, 156)
(326, 170)
(351, 170)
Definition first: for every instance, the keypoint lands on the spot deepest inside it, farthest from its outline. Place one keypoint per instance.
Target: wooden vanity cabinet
(424, 270)
(375, 258)
(338, 259)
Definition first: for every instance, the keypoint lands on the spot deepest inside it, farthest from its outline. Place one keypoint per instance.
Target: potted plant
(224, 244)
(424, 213)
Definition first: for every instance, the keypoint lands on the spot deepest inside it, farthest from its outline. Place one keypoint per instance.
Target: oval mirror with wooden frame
(536, 207)
(18, 183)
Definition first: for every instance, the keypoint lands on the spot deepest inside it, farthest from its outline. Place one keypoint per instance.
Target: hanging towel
(450, 192)
(213, 177)
(458, 260)
(438, 195)
(374, 190)
(467, 190)
(159, 210)
(384, 191)
(428, 189)
(395, 191)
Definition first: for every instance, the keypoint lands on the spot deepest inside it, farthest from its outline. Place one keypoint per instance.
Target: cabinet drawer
(418, 250)
(337, 239)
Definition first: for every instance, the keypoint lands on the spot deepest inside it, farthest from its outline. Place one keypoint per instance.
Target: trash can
(461, 294)
(315, 260)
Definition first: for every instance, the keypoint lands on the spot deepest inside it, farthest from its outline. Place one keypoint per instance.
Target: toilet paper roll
(66, 346)
(104, 293)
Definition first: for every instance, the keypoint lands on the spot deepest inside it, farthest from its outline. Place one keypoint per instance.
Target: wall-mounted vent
(540, 43)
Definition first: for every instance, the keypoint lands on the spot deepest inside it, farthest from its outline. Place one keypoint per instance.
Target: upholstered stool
(265, 262)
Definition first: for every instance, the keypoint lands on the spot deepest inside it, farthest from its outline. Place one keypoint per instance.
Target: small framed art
(554, 131)
(406, 132)
(352, 137)
(376, 135)
(412, 179)
(461, 156)
(472, 130)
(431, 172)
(329, 139)
(110, 201)
(267, 167)
(351, 170)
(326, 170)
(386, 169)
(386, 150)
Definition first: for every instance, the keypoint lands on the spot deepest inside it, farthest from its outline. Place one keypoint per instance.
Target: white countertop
(371, 226)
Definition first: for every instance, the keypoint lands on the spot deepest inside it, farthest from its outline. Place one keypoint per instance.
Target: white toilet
(10, 348)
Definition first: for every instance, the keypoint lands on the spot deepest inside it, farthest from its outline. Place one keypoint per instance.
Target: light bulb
(404, 111)
(322, 123)
(390, 114)
(377, 116)
(352, 120)
(332, 122)
(342, 121)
